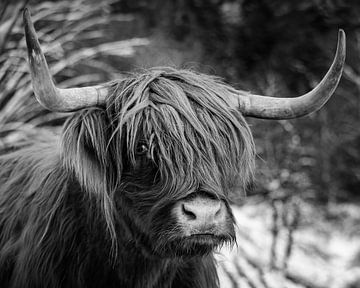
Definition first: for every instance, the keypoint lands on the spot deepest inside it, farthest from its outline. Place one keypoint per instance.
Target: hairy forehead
(173, 102)
(185, 119)
(177, 88)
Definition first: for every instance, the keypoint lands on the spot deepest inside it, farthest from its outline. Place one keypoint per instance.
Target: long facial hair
(194, 141)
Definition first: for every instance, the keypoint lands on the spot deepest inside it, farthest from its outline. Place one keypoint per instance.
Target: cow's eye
(142, 149)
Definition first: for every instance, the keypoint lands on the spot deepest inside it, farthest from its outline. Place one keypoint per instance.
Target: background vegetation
(303, 210)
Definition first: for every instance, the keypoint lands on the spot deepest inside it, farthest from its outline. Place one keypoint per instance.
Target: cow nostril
(191, 215)
(218, 209)
(217, 213)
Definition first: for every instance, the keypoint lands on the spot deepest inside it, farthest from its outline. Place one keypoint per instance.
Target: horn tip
(26, 14)
(341, 35)
(341, 45)
(33, 45)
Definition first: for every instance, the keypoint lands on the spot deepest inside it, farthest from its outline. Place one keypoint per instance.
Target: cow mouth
(206, 238)
(209, 239)
(197, 235)
(194, 245)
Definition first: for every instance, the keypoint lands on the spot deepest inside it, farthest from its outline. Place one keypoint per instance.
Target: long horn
(266, 107)
(48, 95)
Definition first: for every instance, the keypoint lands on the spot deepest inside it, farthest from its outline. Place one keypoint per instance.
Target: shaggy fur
(92, 208)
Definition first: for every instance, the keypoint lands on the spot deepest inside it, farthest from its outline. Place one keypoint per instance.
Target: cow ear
(84, 149)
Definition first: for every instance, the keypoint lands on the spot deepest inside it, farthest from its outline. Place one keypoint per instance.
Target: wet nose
(202, 213)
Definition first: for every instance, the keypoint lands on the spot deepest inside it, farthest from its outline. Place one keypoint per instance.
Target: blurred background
(299, 225)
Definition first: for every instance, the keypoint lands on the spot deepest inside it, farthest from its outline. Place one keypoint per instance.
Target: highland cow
(136, 190)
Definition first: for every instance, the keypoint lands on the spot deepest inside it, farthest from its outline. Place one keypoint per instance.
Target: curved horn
(286, 108)
(48, 95)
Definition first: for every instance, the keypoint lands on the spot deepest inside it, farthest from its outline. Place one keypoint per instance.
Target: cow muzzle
(202, 216)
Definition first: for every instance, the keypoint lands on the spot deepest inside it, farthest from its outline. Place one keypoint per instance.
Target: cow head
(163, 151)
